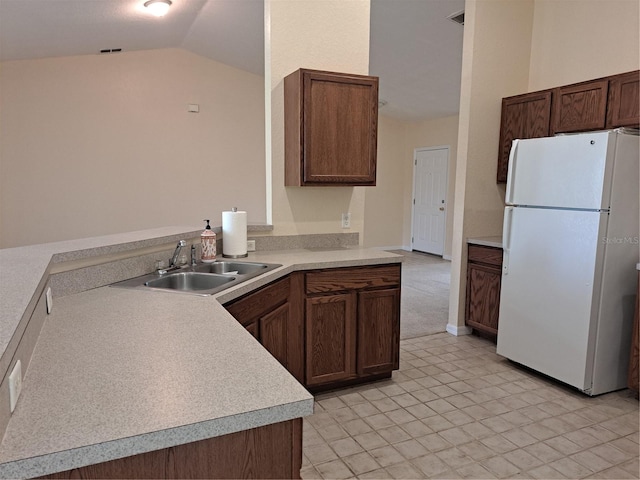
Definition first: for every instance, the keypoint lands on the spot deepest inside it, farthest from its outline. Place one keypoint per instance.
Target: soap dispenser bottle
(208, 242)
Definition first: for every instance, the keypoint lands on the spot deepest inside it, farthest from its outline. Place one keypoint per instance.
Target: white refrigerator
(570, 244)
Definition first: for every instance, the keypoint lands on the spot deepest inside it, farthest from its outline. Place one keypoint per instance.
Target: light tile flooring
(455, 409)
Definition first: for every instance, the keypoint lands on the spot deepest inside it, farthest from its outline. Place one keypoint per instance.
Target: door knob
(441, 209)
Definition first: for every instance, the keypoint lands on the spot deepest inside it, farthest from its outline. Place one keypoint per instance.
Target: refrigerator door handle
(506, 239)
(512, 171)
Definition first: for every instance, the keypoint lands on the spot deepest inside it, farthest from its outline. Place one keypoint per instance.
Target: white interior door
(429, 197)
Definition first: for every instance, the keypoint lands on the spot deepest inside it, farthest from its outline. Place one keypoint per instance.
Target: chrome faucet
(172, 261)
(176, 253)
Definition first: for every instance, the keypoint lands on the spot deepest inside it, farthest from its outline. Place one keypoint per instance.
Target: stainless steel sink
(239, 268)
(189, 281)
(202, 279)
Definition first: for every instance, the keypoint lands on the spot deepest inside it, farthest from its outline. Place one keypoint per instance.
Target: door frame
(446, 190)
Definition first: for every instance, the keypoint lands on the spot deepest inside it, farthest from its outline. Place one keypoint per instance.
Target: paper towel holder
(244, 253)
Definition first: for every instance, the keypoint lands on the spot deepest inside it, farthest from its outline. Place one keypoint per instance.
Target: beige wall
(384, 210)
(388, 206)
(432, 133)
(93, 144)
(325, 35)
(574, 40)
(494, 26)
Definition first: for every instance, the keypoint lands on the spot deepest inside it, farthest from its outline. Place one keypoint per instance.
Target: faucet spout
(176, 253)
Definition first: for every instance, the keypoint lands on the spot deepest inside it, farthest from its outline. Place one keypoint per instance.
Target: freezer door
(571, 171)
(549, 283)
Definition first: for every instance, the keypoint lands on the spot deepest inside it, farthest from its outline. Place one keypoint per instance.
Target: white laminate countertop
(119, 372)
(493, 241)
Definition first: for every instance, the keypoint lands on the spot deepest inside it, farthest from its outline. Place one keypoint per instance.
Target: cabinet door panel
(330, 338)
(580, 107)
(274, 330)
(483, 297)
(331, 125)
(624, 100)
(338, 114)
(523, 116)
(378, 331)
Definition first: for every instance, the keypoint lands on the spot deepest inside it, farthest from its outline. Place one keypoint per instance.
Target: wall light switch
(15, 385)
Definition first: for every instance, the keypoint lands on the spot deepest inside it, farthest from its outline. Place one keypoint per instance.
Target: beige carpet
(425, 294)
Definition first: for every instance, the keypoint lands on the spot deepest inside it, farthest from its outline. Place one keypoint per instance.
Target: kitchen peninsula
(123, 374)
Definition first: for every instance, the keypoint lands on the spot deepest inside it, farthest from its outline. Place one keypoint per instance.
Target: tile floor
(424, 300)
(455, 409)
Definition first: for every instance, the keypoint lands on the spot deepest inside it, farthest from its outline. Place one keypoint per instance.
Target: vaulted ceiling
(415, 49)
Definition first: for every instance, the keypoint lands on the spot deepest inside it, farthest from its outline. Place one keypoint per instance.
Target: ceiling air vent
(457, 17)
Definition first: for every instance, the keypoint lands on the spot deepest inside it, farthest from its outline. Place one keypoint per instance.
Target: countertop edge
(492, 241)
(125, 447)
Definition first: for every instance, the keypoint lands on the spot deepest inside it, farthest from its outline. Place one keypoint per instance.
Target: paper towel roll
(234, 234)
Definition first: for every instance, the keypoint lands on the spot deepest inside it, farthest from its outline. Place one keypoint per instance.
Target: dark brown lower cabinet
(272, 451)
(273, 314)
(352, 323)
(331, 327)
(484, 277)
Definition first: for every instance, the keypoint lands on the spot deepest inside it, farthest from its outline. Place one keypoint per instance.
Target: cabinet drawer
(340, 279)
(248, 308)
(488, 255)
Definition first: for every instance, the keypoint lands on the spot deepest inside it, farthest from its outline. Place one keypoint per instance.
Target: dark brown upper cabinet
(608, 102)
(624, 100)
(331, 126)
(523, 116)
(580, 107)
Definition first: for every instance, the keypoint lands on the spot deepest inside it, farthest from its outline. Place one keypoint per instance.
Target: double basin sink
(202, 279)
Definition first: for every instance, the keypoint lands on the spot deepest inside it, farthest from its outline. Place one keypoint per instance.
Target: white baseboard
(446, 257)
(457, 331)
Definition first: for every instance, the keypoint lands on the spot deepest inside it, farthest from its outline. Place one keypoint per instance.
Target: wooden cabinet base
(272, 451)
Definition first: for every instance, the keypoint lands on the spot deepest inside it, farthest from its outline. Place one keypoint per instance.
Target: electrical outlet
(251, 245)
(15, 385)
(346, 220)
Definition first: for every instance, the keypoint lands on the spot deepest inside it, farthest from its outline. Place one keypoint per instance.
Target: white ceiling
(415, 50)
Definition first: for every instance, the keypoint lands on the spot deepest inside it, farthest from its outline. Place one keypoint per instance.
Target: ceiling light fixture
(158, 7)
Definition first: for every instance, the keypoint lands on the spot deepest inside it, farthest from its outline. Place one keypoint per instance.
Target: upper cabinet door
(331, 123)
(580, 107)
(523, 116)
(624, 100)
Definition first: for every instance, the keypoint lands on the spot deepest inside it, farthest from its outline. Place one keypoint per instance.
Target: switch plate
(15, 385)
(251, 245)
(193, 108)
(346, 220)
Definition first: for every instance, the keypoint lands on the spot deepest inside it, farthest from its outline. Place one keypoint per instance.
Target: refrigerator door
(572, 171)
(550, 287)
